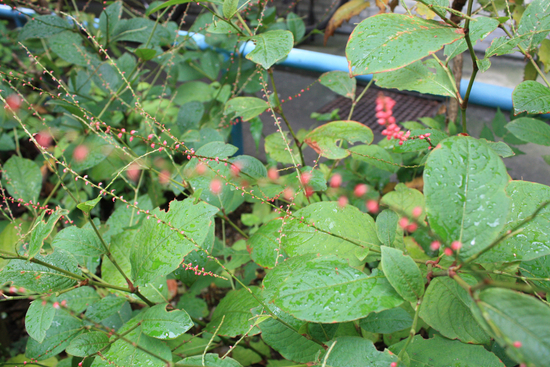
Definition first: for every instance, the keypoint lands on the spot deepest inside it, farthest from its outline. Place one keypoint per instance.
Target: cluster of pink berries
(384, 114)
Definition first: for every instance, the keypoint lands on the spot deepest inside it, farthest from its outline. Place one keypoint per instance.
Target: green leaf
(500, 148)
(447, 308)
(325, 139)
(339, 82)
(287, 339)
(537, 268)
(441, 352)
(387, 42)
(39, 318)
(234, 309)
(39, 278)
(97, 149)
(87, 206)
(486, 134)
(230, 8)
(158, 249)
(502, 46)
(68, 46)
(404, 200)
(209, 360)
(340, 231)
(107, 307)
(402, 273)
(530, 130)
(217, 149)
(387, 321)
(296, 25)
(464, 185)
(22, 178)
(351, 351)
(276, 148)
(11, 238)
(386, 225)
(87, 344)
(535, 23)
(265, 249)
(374, 155)
(145, 54)
(42, 26)
(499, 124)
(124, 217)
(190, 115)
(43, 230)
(518, 317)
(419, 77)
(531, 97)
(533, 238)
(193, 91)
(127, 354)
(327, 290)
(78, 299)
(245, 107)
(480, 28)
(160, 324)
(544, 54)
(414, 145)
(79, 241)
(63, 329)
(109, 18)
(271, 46)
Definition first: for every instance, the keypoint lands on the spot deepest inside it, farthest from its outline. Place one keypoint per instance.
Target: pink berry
(456, 245)
(417, 211)
(393, 364)
(216, 186)
(273, 174)
(435, 245)
(342, 201)
(360, 190)
(448, 252)
(403, 223)
(372, 206)
(80, 153)
(517, 344)
(305, 177)
(412, 227)
(336, 180)
(164, 177)
(14, 102)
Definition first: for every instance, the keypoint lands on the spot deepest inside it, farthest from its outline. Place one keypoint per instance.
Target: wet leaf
(271, 46)
(531, 97)
(530, 130)
(43, 230)
(22, 178)
(350, 351)
(387, 42)
(327, 290)
(245, 107)
(264, 247)
(402, 273)
(535, 23)
(387, 321)
(160, 324)
(464, 185)
(339, 82)
(39, 318)
(234, 309)
(87, 344)
(386, 225)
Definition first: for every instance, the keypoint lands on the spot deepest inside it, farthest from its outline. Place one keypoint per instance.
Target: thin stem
(412, 331)
(298, 144)
(244, 24)
(356, 100)
(475, 68)
(440, 14)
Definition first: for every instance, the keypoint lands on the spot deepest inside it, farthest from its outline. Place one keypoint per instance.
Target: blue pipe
(482, 93)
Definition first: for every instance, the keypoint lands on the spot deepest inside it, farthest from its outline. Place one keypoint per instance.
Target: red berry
(448, 252)
(13, 101)
(435, 245)
(164, 176)
(336, 180)
(80, 153)
(273, 174)
(456, 245)
(360, 190)
(417, 211)
(372, 206)
(216, 186)
(342, 201)
(517, 344)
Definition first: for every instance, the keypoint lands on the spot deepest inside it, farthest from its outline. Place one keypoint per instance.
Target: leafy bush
(143, 238)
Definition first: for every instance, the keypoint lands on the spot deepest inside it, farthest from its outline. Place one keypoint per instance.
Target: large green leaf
(107, 307)
(441, 352)
(350, 233)
(245, 107)
(271, 47)
(78, 299)
(22, 178)
(160, 324)
(68, 46)
(387, 42)
(325, 139)
(535, 22)
(39, 278)
(286, 338)
(352, 351)
(158, 249)
(516, 317)
(39, 318)
(327, 290)
(447, 308)
(537, 268)
(387, 321)
(87, 344)
(234, 309)
(530, 130)
(41, 26)
(296, 25)
(11, 238)
(534, 239)
(126, 353)
(208, 360)
(464, 185)
(339, 82)
(264, 247)
(419, 77)
(402, 273)
(63, 329)
(79, 241)
(43, 230)
(531, 97)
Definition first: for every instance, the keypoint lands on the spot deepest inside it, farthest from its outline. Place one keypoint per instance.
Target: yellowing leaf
(424, 11)
(544, 54)
(343, 14)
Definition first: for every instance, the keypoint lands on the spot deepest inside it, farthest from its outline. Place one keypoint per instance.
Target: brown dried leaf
(344, 13)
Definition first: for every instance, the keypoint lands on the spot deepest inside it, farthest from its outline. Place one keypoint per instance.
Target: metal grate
(407, 108)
